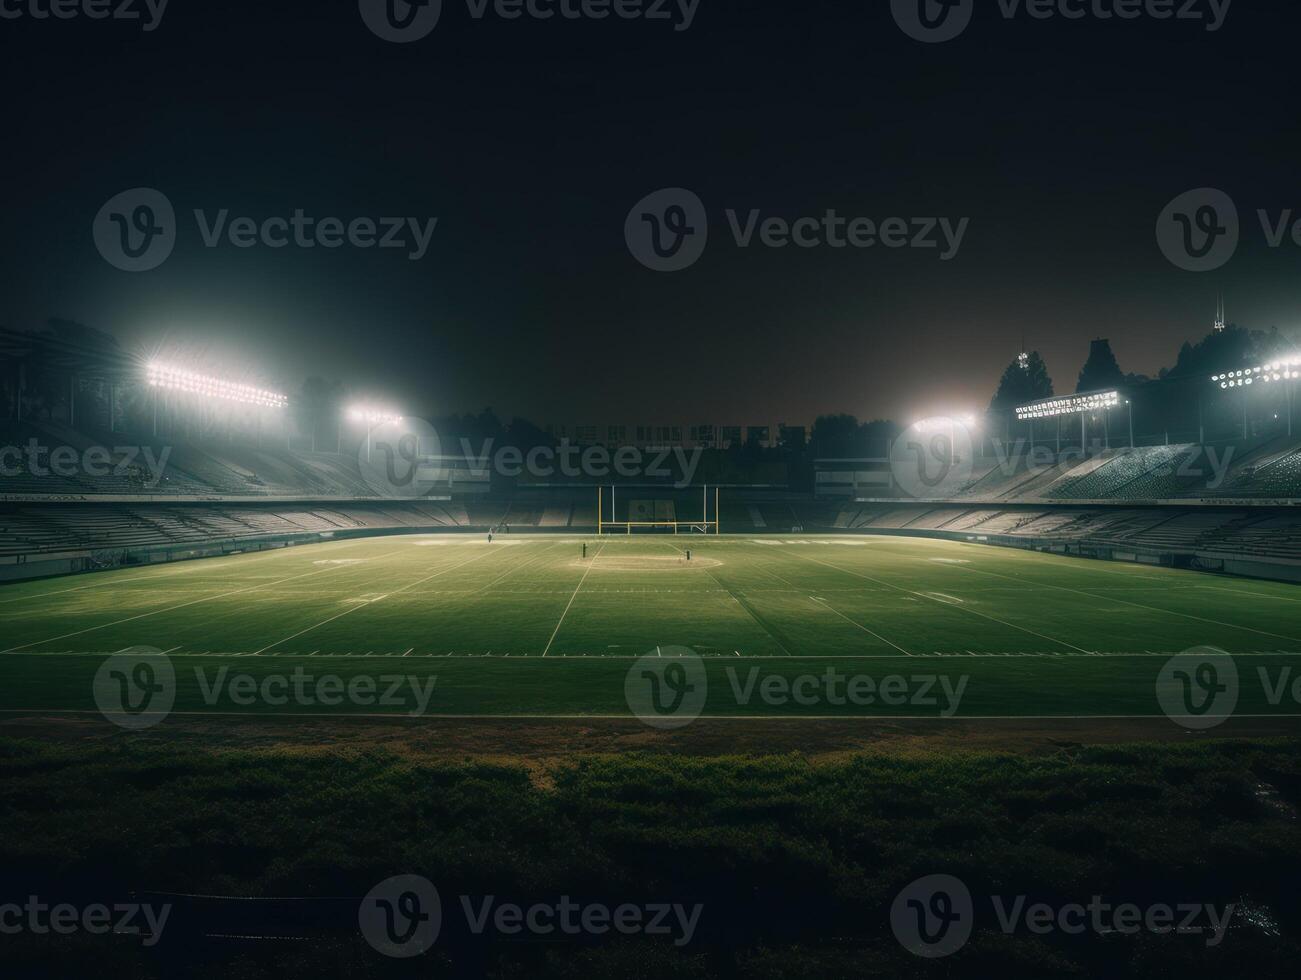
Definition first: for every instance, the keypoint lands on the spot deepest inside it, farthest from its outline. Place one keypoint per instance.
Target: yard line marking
(1136, 605)
(159, 612)
(826, 605)
(949, 605)
(522, 565)
(370, 602)
(190, 568)
(1262, 595)
(587, 571)
(744, 605)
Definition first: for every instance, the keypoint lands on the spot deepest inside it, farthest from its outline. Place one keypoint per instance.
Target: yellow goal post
(612, 525)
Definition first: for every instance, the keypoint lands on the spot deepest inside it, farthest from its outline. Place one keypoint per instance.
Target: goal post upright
(674, 525)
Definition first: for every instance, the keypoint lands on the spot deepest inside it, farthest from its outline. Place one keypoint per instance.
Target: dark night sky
(1060, 140)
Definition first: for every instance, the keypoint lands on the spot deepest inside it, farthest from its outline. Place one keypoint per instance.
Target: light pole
(373, 420)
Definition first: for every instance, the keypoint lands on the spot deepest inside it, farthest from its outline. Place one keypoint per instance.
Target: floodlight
(1285, 369)
(188, 382)
(372, 416)
(1069, 405)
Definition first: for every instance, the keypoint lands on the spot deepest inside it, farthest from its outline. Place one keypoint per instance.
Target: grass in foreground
(795, 866)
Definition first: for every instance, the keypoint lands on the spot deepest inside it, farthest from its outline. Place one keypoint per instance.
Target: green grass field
(526, 626)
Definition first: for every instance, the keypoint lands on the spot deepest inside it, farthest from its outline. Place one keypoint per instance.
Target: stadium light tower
(165, 378)
(372, 419)
(1285, 369)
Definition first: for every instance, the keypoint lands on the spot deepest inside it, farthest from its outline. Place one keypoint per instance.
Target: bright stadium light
(188, 382)
(372, 416)
(1286, 369)
(1069, 405)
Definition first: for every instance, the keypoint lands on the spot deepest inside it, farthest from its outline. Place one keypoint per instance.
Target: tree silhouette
(1020, 386)
(1101, 371)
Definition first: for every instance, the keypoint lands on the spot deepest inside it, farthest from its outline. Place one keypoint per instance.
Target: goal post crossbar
(703, 526)
(679, 527)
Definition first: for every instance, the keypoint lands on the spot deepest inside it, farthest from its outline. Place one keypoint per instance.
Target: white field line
(192, 602)
(1126, 602)
(826, 605)
(520, 567)
(941, 602)
(371, 602)
(587, 571)
(750, 612)
(1261, 595)
(189, 568)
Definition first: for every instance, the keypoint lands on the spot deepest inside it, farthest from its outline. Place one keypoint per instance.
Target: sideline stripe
(947, 605)
(192, 602)
(370, 602)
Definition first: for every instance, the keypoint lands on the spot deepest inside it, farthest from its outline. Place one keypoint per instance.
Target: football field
(781, 626)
